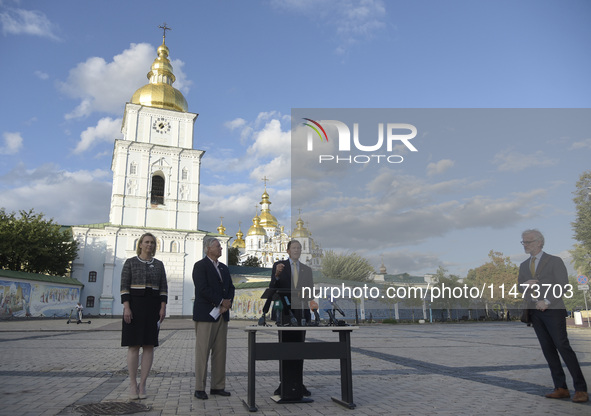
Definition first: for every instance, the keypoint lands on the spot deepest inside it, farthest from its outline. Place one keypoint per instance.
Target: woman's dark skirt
(143, 329)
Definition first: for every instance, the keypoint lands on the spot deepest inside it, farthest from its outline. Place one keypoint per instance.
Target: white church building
(155, 189)
(267, 240)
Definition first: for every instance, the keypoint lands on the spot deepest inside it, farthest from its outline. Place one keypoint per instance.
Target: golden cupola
(239, 242)
(267, 219)
(255, 228)
(300, 231)
(159, 92)
(221, 228)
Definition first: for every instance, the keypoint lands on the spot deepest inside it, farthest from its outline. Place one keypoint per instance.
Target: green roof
(11, 274)
(403, 278)
(252, 285)
(251, 271)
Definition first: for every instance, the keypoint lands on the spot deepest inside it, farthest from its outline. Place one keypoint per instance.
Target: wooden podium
(340, 350)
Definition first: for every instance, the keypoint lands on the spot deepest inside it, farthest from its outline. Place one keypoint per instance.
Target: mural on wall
(21, 299)
(248, 304)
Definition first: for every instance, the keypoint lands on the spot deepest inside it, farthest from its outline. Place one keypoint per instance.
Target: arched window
(90, 301)
(174, 247)
(157, 190)
(92, 277)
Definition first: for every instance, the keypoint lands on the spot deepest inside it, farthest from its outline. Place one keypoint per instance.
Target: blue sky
(69, 67)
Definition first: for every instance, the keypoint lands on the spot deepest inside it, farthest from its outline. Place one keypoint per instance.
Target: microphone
(314, 307)
(292, 318)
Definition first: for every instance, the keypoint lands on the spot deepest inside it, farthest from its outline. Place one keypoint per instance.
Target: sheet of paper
(215, 312)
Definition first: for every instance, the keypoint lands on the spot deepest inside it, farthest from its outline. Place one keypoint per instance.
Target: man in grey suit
(214, 293)
(546, 278)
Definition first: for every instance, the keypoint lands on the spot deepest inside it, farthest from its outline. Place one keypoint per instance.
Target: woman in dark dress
(144, 296)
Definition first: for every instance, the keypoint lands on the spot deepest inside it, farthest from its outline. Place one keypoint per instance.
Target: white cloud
(352, 21)
(41, 75)
(70, 198)
(512, 161)
(27, 22)
(264, 151)
(439, 167)
(103, 86)
(583, 144)
(268, 148)
(271, 140)
(278, 169)
(13, 142)
(106, 130)
(235, 124)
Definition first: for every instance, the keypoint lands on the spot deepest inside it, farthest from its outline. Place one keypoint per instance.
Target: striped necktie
(532, 266)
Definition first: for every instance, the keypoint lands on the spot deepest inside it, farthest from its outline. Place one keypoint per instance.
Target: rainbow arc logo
(315, 123)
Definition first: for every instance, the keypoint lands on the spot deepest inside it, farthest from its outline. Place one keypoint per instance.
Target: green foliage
(581, 259)
(35, 245)
(252, 261)
(233, 256)
(582, 199)
(347, 266)
(447, 300)
(497, 272)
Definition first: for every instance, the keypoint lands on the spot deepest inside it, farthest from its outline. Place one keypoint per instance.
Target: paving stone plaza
(48, 367)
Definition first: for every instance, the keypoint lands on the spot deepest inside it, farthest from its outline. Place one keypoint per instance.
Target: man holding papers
(214, 293)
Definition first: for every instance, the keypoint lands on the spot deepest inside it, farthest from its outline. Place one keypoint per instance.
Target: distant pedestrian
(79, 309)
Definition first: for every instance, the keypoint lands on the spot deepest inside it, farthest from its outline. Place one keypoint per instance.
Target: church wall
(105, 251)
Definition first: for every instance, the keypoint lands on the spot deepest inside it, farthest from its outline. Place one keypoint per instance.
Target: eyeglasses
(528, 242)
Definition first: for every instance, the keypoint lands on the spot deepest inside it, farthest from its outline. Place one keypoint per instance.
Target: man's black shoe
(200, 394)
(221, 392)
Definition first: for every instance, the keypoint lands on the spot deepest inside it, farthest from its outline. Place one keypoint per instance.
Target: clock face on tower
(161, 125)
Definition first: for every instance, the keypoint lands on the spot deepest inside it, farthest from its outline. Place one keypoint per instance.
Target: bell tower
(155, 168)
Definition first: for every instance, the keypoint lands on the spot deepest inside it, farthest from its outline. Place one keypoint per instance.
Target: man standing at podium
(292, 274)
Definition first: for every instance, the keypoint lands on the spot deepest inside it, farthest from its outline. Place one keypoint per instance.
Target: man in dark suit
(214, 293)
(291, 274)
(548, 314)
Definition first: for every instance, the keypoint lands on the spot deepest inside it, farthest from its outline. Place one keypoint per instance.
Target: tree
(414, 303)
(252, 261)
(581, 259)
(447, 298)
(233, 256)
(347, 266)
(35, 245)
(497, 277)
(582, 199)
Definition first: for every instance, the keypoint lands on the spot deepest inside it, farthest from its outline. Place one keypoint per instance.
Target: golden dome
(221, 229)
(255, 228)
(300, 230)
(239, 242)
(267, 219)
(159, 92)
